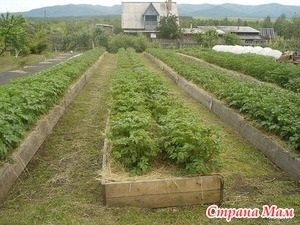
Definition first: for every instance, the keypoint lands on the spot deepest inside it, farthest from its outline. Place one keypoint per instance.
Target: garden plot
(60, 185)
(263, 68)
(257, 101)
(31, 108)
(149, 124)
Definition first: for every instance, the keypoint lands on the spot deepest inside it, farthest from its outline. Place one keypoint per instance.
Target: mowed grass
(60, 185)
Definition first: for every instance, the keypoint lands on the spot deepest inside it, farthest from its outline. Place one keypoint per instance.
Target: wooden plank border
(160, 193)
(273, 150)
(164, 192)
(9, 173)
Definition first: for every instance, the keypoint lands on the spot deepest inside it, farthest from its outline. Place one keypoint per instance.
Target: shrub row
(26, 99)
(139, 42)
(147, 122)
(264, 68)
(275, 110)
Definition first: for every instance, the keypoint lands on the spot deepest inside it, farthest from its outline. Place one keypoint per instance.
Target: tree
(232, 39)
(40, 42)
(294, 28)
(277, 43)
(56, 37)
(100, 37)
(138, 42)
(226, 22)
(267, 23)
(281, 25)
(12, 33)
(207, 39)
(19, 43)
(168, 27)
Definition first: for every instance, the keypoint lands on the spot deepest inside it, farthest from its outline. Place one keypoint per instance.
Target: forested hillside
(194, 10)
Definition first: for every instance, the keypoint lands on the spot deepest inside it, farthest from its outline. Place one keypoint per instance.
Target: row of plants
(148, 123)
(275, 110)
(26, 99)
(286, 75)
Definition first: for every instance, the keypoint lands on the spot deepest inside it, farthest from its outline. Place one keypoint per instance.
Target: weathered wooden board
(164, 192)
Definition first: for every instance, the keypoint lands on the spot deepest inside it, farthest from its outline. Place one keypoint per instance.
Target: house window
(152, 18)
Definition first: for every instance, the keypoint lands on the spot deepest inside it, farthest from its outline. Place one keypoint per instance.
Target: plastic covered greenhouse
(237, 49)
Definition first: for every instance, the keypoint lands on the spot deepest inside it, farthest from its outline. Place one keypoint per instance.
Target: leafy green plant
(187, 142)
(26, 99)
(147, 122)
(261, 67)
(275, 110)
(133, 143)
(139, 42)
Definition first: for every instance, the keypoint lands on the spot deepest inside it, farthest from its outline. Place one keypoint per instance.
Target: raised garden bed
(271, 148)
(159, 189)
(147, 125)
(10, 172)
(169, 192)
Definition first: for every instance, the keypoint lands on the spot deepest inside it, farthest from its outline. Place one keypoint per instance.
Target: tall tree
(207, 39)
(12, 33)
(294, 28)
(168, 27)
(232, 39)
(281, 25)
(100, 37)
(267, 23)
(40, 41)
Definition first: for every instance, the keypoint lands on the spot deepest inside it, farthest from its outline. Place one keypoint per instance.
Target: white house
(145, 16)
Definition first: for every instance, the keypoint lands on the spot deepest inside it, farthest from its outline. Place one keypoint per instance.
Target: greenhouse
(248, 49)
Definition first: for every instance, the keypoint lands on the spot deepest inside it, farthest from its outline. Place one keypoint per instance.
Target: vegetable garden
(27, 99)
(148, 122)
(260, 67)
(275, 110)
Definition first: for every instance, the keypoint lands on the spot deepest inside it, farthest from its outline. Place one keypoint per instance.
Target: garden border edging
(9, 173)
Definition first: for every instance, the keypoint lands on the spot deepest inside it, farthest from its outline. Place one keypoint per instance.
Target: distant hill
(194, 10)
(241, 11)
(72, 10)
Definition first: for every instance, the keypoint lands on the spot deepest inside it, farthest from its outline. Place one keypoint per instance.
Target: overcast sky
(26, 5)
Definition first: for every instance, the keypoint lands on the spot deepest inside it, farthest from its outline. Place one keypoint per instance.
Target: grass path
(60, 185)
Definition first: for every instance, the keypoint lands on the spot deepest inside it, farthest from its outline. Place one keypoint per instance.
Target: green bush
(154, 44)
(139, 42)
